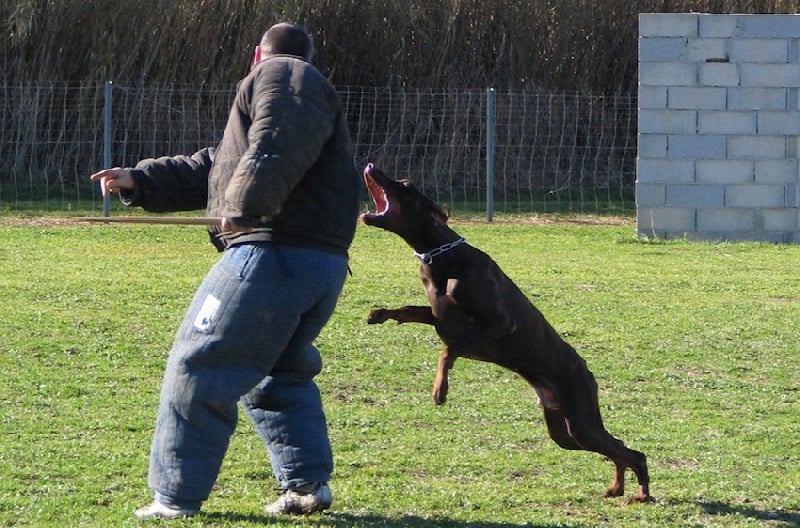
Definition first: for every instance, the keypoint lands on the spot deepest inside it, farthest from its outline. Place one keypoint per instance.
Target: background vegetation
(586, 45)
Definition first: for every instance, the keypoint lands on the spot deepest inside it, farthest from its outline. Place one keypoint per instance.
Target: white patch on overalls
(206, 314)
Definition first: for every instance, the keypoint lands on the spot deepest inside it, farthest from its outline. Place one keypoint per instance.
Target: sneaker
(294, 501)
(157, 510)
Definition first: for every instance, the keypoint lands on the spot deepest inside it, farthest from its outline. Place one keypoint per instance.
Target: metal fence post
(107, 144)
(490, 154)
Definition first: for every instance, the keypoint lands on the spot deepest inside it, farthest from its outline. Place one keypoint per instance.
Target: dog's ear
(440, 215)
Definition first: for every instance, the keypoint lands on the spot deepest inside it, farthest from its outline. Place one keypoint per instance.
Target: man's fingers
(112, 180)
(105, 173)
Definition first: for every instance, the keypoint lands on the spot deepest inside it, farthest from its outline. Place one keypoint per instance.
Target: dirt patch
(550, 220)
(52, 221)
(39, 221)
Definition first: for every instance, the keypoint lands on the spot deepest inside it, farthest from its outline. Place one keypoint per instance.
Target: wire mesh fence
(553, 151)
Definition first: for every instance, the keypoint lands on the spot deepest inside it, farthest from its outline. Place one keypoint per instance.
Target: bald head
(287, 39)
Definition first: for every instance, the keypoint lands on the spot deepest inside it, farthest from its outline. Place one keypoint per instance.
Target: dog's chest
(437, 285)
(446, 297)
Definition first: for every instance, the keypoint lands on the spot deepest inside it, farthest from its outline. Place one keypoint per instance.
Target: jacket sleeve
(178, 183)
(293, 116)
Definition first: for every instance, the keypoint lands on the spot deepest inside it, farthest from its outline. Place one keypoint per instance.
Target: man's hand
(112, 180)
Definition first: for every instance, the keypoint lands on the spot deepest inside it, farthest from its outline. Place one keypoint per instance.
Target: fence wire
(553, 152)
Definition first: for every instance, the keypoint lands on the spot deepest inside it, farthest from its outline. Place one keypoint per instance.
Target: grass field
(694, 345)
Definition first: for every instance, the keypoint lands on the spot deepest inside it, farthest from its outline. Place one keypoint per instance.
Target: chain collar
(427, 258)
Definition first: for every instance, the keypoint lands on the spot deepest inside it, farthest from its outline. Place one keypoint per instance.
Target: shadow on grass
(790, 517)
(345, 520)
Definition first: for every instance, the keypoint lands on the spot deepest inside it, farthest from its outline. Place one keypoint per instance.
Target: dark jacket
(284, 165)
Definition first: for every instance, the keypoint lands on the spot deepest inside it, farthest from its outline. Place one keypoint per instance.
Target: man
(284, 183)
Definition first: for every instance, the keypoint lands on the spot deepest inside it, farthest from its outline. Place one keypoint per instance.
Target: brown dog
(480, 314)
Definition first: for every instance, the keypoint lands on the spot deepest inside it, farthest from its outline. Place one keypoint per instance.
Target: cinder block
(661, 49)
(695, 195)
(777, 237)
(781, 171)
(792, 200)
(667, 73)
(667, 121)
(729, 219)
(768, 26)
(782, 220)
(755, 196)
(756, 147)
(694, 98)
(717, 236)
(651, 194)
(757, 98)
(653, 97)
(792, 147)
(665, 219)
(769, 75)
(724, 171)
(664, 171)
(743, 236)
(652, 146)
(759, 50)
(668, 25)
(716, 25)
(695, 147)
(726, 122)
(718, 74)
(783, 123)
(703, 49)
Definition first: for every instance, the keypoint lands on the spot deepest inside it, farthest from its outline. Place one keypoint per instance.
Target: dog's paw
(614, 491)
(378, 316)
(642, 495)
(439, 394)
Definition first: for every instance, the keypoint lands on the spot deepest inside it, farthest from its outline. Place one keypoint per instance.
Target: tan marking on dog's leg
(617, 488)
(440, 384)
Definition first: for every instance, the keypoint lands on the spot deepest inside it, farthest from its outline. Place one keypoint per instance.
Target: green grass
(694, 347)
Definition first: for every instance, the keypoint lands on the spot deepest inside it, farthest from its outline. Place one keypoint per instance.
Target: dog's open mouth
(377, 194)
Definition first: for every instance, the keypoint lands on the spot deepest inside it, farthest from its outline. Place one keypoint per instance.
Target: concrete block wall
(718, 127)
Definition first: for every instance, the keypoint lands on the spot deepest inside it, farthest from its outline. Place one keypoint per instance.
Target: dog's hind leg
(557, 429)
(629, 458)
(584, 423)
(617, 488)
(590, 434)
(560, 432)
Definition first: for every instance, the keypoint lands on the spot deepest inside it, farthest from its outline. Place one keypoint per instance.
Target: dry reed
(585, 45)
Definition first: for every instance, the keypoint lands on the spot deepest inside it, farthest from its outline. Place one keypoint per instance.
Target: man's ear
(257, 55)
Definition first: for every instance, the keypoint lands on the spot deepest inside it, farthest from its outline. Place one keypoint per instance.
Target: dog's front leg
(440, 384)
(406, 314)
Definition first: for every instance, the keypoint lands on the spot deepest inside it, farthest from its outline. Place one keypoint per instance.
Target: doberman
(480, 314)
